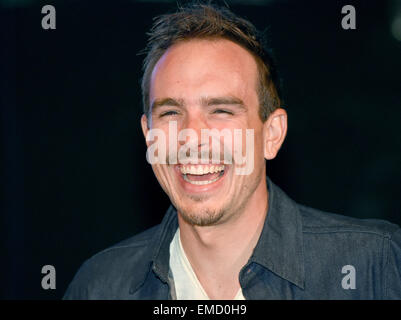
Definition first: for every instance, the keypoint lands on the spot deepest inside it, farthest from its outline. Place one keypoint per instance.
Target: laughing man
(229, 235)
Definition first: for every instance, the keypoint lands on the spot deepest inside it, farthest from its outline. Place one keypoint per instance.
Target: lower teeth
(202, 182)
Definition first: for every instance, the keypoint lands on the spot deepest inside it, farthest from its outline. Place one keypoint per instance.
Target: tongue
(203, 177)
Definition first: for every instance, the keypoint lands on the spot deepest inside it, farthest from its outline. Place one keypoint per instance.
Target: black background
(74, 175)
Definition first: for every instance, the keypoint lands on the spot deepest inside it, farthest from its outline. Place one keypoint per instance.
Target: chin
(198, 211)
(202, 218)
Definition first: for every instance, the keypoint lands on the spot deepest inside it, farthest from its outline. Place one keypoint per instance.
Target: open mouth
(202, 174)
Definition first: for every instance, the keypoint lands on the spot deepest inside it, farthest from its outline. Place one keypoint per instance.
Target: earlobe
(274, 132)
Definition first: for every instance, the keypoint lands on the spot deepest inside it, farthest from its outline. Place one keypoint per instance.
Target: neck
(217, 253)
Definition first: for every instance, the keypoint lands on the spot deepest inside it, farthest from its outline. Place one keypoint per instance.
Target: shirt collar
(279, 248)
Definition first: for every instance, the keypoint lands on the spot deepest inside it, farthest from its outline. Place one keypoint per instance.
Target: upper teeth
(198, 170)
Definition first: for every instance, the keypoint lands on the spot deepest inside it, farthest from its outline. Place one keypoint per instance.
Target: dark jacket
(302, 253)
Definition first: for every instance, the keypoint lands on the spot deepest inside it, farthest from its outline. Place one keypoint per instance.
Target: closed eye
(168, 113)
(222, 111)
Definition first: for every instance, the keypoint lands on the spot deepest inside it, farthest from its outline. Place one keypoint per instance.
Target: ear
(145, 128)
(274, 132)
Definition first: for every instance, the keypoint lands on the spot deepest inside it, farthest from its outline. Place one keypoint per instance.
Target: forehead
(195, 68)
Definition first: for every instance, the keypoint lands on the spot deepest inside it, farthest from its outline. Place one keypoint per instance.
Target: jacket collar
(158, 256)
(279, 248)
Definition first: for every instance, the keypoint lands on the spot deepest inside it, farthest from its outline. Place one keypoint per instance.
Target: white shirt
(187, 285)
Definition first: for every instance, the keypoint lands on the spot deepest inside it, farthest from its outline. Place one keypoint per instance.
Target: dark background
(73, 171)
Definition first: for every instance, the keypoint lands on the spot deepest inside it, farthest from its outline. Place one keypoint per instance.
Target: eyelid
(165, 113)
(222, 110)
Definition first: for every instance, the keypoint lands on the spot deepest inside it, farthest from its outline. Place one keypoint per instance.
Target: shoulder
(371, 247)
(113, 269)
(317, 221)
(127, 250)
(371, 244)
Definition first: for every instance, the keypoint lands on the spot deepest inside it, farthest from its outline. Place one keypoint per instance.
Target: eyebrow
(166, 102)
(223, 101)
(205, 101)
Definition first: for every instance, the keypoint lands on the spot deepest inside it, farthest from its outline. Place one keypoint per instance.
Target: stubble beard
(210, 216)
(204, 217)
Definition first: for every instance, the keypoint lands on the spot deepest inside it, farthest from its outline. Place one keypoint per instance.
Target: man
(231, 234)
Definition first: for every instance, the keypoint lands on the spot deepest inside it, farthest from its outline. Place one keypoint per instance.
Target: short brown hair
(206, 21)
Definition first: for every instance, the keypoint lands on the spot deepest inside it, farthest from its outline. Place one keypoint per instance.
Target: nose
(195, 122)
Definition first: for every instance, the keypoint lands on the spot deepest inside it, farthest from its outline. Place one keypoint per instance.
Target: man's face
(205, 84)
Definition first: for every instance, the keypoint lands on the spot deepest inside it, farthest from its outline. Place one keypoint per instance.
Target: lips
(201, 175)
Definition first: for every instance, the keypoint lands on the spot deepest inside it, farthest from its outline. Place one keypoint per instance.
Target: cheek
(161, 172)
(252, 142)
(259, 144)
(163, 176)
(158, 171)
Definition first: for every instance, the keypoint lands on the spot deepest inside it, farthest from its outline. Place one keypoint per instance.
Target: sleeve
(393, 268)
